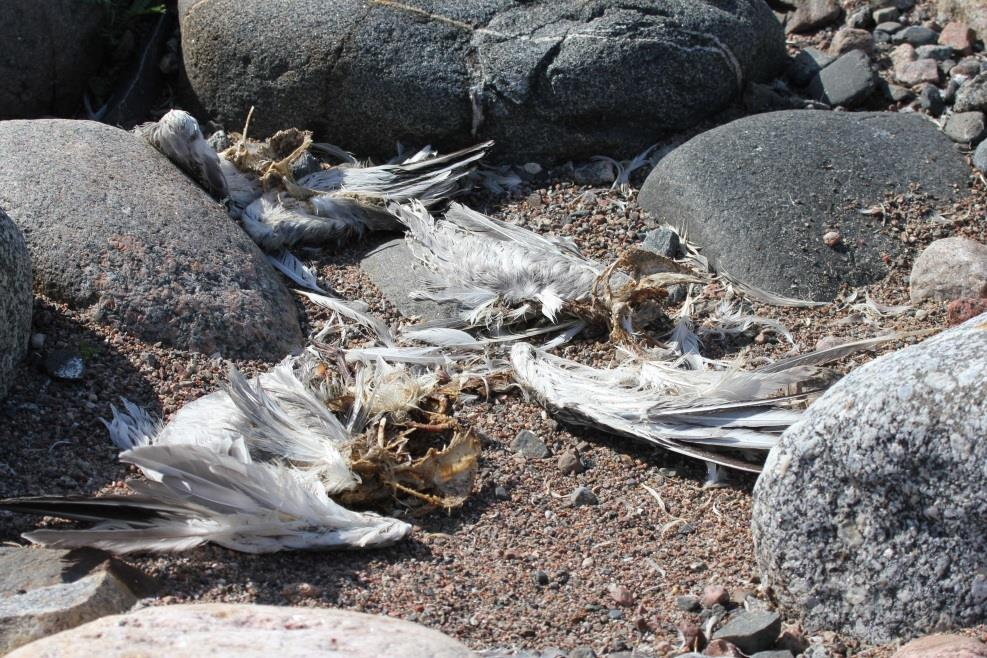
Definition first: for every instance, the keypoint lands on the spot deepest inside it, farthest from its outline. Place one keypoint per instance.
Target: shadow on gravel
(51, 439)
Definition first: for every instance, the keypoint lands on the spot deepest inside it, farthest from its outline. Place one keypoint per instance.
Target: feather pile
(277, 462)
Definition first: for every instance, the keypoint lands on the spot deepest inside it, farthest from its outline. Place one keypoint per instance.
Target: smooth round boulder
(50, 50)
(868, 518)
(763, 196)
(115, 229)
(15, 300)
(246, 631)
(549, 80)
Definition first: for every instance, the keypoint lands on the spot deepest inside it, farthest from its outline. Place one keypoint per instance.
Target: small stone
(688, 603)
(751, 631)
(621, 595)
(917, 72)
(980, 158)
(848, 38)
(532, 168)
(941, 646)
(600, 172)
(916, 35)
(220, 141)
(692, 636)
(65, 364)
(501, 492)
(300, 591)
(615, 614)
(831, 238)
(860, 19)
(792, 639)
(949, 93)
(528, 444)
(901, 55)
(540, 578)
(663, 241)
(958, 36)
(806, 64)
(895, 93)
(696, 567)
(38, 341)
(968, 67)
(570, 463)
(972, 96)
(965, 127)
(930, 100)
(582, 496)
(777, 653)
(722, 648)
(959, 311)
(812, 14)
(582, 652)
(886, 15)
(846, 82)
(889, 27)
(936, 52)
(715, 594)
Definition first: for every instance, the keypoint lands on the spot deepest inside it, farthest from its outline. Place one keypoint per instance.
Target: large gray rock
(548, 79)
(949, 269)
(15, 300)
(113, 227)
(43, 591)
(758, 194)
(869, 516)
(247, 631)
(972, 97)
(50, 49)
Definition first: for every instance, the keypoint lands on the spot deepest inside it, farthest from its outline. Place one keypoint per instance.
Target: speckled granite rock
(869, 516)
(45, 591)
(547, 79)
(247, 631)
(113, 227)
(949, 268)
(943, 646)
(15, 300)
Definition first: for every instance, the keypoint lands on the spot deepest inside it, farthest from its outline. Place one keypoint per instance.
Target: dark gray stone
(811, 171)
(116, 230)
(751, 631)
(972, 97)
(663, 241)
(980, 158)
(549, 80)
(936, 52)
(528, 444)
(868, 518)
(895, 93)
(930, 100)
(581, 496)
(784, 653)
(891, 27)
(45, 591)
(688, 602)
(65, 364)
(916, 35)
(393, 269)
(15, 300)
(949, 269)
(50, 50)
(582, 652)
(848, 81)
(965, 127)
(806, 64)
(860, 19)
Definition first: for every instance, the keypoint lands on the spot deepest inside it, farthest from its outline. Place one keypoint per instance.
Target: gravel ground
(518, 565)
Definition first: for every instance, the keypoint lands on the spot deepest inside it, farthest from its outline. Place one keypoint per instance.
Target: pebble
(300, 591)
(528, 444)
(860, 19)
(980, 158)
(621, 595)
(65, 364)
(501, 492)
(930, 100)
(936, 52)
(570, 463)
(722, 648)
(777, 653)
(38, 341)
(965, 127)
(958, 36)
(713, 595)
(916, 35)
(751, 631)
(582, 652)
(959, 311)
(581, 496)
(848, 38)
(888, 27)
(615, 614)
(886, 15)
(917, 72)
(972, 96)
(831, 238)
(540, 577)
(846, 82)
(688, 602)
(663, 241)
